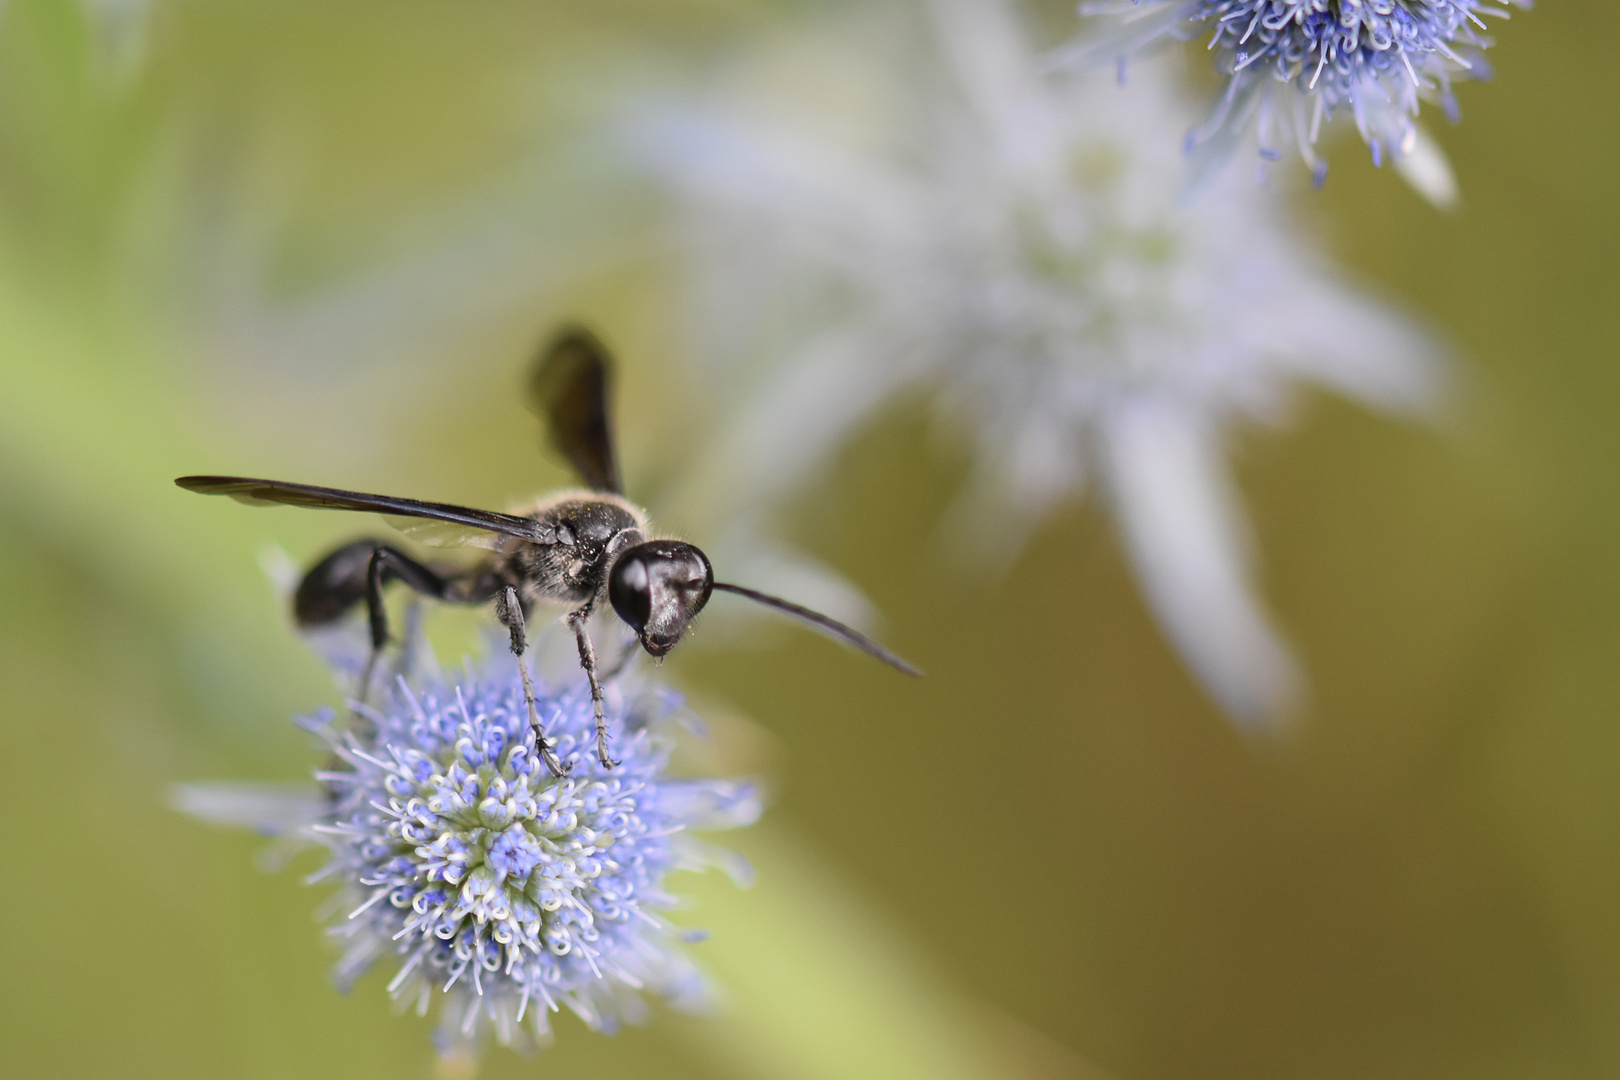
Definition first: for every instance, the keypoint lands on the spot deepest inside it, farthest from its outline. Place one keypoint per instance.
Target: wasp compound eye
(629, 592)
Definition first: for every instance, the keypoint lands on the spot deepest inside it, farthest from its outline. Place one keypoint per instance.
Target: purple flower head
(1293, 65)
(500, 891)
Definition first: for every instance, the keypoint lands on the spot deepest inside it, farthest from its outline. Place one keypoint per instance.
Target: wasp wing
(569, 390)
(277, 493)
(443, 534)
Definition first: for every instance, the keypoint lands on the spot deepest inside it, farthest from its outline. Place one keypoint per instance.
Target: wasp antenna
(825, 624)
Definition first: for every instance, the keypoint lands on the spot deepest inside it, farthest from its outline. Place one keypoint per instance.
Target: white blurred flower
(924, 210)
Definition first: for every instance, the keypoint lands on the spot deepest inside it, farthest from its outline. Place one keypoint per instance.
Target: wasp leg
(587, 660)
(510, 611)
(387, 565)
(359, 571)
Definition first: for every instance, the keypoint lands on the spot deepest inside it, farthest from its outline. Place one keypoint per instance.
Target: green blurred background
(321, 240)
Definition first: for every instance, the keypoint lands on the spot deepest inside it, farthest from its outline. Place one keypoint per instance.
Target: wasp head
(658, 588)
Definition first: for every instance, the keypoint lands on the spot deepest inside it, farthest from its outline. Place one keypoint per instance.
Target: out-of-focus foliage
(320, 241)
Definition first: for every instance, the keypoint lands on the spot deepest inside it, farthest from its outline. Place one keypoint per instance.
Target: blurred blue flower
(503, 891)
(904, 205)
(1291, 65)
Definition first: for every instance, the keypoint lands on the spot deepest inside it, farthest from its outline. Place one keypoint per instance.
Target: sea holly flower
(1291, 66)
(1018, 251)
(500, 892)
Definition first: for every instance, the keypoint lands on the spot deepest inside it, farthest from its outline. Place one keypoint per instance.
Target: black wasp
(575, 547)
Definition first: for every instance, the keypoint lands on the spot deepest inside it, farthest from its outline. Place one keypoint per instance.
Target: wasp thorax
(658, 588)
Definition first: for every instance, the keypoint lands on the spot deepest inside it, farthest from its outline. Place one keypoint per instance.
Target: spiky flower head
(503, 892)
(1293, 65)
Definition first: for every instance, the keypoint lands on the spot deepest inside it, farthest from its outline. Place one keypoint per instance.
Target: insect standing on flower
(576, 547)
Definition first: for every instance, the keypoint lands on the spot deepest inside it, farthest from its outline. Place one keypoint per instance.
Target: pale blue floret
(1292, 65)
(503, 891)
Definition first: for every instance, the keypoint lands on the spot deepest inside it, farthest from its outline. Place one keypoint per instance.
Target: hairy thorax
(581, 532)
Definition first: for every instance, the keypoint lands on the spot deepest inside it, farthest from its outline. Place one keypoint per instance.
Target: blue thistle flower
(504, 892)
(1291, 65)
